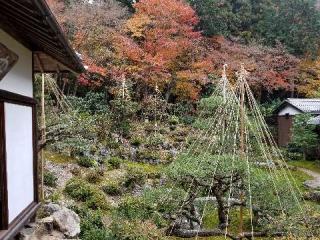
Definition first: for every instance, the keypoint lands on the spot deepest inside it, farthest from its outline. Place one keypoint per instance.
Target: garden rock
(47, 223)
(313, 196)
(67, 221)
(312, 184)
(50, 208)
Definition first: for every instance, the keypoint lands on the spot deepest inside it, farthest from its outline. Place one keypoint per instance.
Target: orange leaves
(137, 25)
(270, 68)
(177, 12)
(309, 84)
(165, 45)
(159, 44)
(186, 90)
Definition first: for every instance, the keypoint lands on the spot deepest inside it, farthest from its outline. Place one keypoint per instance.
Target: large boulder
(67, 222)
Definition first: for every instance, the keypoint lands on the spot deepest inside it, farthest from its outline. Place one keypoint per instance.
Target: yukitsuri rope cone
(235, 173)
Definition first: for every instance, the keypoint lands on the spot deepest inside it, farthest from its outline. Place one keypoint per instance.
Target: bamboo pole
(242, 147)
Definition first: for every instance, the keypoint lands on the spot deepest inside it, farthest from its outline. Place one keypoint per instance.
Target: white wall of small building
(289, 110)
(19, 79)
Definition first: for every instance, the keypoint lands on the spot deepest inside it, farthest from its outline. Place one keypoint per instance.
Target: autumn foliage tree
(164, 49)
(309, 84)
(270, 69)
(159, 44)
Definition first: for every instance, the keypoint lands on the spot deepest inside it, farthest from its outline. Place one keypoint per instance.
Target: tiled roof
(307, 105)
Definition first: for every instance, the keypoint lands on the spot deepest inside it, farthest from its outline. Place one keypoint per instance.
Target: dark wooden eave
(32, 23)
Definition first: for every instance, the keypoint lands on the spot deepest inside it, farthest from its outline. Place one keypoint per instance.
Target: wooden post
(42, 127)
(43, 133)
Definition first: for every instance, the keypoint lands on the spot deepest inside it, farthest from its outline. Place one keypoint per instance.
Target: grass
(58, 158)
(150, 169)
(310, 165)
(299, 179)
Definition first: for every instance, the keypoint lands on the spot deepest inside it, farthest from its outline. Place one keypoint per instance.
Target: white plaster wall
(19, 79)
(289, 110)
(18, 126)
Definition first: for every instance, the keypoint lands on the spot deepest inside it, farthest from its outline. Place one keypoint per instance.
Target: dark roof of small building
(304, 105)
(32, 23)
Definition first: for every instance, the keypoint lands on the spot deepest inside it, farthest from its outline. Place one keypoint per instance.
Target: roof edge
(280, 107)
(50, 18)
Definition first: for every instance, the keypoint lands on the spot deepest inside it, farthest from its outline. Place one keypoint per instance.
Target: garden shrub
(135, 230)
(151, 171)
(208, 106)
(132, 208)
(50, 179)
(147, 155)
(96, 234)
(98, 201)
(86, 162)
(114, 162)
(91, 224)
(76, 171)
(136, 141)
(94, 176)
(55, 197)
(182, 109)
(93, 103)
(80, 190)
(174, 120)
(135, 176)
(293, 156)
(122, 111)
(155, 140)
(187, 119)
(111, 143)
(112, 188)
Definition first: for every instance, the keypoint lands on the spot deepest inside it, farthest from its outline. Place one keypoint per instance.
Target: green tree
(223, 17)
(294, 23)
(304, 137)
(207, 177)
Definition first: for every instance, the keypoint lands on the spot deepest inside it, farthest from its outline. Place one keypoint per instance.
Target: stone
(50, 208)
(25, 233)
(313, 196)
(47, 223)
(67, 221)
(312, 184)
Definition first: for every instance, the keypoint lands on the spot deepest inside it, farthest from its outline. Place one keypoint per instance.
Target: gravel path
(315, 182)
(61, 171)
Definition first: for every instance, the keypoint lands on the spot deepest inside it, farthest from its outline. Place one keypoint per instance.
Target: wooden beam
(39, 62)
(22, 8)
(9, 6)
(36, 29)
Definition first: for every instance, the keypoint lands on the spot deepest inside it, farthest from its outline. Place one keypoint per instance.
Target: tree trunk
(170, 86)
(222, 211)
(75, 90)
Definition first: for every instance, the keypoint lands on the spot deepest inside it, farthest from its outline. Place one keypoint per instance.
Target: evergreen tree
(304, 137)
(295, 23)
